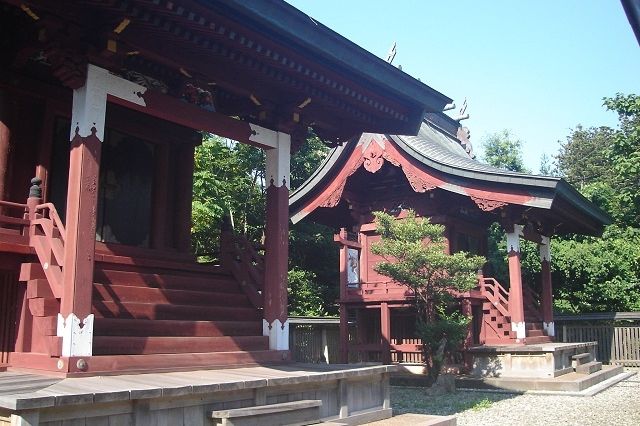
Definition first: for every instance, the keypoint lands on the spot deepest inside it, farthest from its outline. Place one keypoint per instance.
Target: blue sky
(537, 68)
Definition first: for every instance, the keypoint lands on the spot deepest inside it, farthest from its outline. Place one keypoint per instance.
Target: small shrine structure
(435, 174)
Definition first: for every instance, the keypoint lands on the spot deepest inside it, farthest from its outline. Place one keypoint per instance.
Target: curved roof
(439, 150)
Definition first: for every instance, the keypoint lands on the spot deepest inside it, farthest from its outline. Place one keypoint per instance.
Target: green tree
(583, 158)
(305, 296)
(414, 255)
(545, 165)
(603, 274)
(229, 180)
(224, 184)
(503, 150)
(593, 274)
(624, 155)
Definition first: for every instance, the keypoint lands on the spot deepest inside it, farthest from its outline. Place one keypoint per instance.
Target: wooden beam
(176, 111)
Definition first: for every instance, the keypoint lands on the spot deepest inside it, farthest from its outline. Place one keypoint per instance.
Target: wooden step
(535, 333)
(537, 340)
(157, 311)
(580, 359)
(107, 364)
(144, 327)
(303, 412)
(195, 282)
(123, 293)
(589, 367)
(121, 345)
(138, 262)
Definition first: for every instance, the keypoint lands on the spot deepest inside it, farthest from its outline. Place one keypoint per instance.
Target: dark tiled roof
(442, 152)
(439, 150)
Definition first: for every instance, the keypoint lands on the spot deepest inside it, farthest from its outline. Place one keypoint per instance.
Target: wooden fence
(315, 340)
(616, 344)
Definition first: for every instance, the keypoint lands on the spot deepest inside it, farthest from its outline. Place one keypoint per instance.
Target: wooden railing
(380, 289)
(47, 238)
(245, 263)
(496, 294)
(55, 227)
(616, 344)
(16, 223)
(531, 301)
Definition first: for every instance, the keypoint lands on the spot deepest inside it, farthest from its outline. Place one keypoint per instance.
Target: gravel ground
(618, 405)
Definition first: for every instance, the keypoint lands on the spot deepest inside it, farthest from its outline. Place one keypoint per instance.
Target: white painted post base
(550, 328)
(77, 336)
(278, 334)
(520, 329)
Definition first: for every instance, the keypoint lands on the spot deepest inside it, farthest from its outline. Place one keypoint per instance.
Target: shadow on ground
(405, 399)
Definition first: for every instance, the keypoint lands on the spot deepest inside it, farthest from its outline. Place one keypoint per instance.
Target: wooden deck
(188, 397)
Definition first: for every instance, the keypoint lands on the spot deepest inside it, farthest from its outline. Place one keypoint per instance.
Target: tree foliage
(226, 181)
(503, 150)
(229, 180)
(414, 255)
(583, 158)
(603, 274)
(598, 274)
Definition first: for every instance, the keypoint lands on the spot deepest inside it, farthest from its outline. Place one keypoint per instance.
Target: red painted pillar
(516, 300)
(344, 320)
(385, 332)
(344, 334)
(184, 198)
(5, 136)
(546, 295)
(276, 322)
(88, 115)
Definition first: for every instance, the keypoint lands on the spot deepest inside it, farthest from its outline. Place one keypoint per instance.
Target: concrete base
(348, 394)
(546, 360)
(571, 382)
(418, 420)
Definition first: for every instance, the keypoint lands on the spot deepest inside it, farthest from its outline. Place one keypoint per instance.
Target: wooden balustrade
(15, 223)
(496, 294)
(244, 262)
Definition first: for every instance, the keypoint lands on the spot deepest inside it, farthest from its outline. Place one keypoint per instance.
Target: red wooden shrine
(103, 102)
(435, 174)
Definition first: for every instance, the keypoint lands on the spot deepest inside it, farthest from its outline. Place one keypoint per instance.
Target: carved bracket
(486, 204)
(418, 183)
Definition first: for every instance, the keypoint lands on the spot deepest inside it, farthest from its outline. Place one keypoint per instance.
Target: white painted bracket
(550, 328)
(278, 334)
(513, 239)
(90, 101)
(520, 329)
(279, 161)
(77, 336)
(545, 249)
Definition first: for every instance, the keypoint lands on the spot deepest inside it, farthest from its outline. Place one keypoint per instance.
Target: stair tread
(124, 293)
(134, 345)
(194, 328)
(195, 282)
(182, 361)
(105, 309)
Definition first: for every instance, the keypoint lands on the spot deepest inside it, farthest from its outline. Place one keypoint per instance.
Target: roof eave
(297, 27)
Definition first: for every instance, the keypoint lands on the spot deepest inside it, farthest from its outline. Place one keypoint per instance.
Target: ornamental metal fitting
(35, 191)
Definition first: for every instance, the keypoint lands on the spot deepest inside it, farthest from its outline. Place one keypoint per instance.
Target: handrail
(245, 264)
(55, 217)
(493, 291)
(11, 204)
